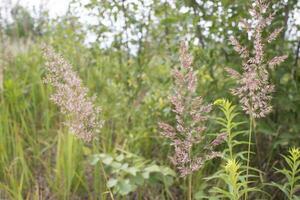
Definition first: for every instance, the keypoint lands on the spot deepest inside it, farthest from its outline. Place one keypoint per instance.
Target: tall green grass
(39, 158)
(31, 144)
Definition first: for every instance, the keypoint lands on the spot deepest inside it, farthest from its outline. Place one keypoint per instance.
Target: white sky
(55, 7)
(59, 7)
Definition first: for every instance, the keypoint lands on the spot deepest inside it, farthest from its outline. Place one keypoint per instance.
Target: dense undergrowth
(233, 155)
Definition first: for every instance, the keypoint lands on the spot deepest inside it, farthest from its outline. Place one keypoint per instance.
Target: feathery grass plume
(292, 173)
(191, 115)
(254, 89)
(71, 96)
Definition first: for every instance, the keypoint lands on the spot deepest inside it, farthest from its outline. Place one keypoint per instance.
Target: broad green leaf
(112, 182)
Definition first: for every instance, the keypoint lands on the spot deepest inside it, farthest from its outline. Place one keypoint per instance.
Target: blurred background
(124, 50)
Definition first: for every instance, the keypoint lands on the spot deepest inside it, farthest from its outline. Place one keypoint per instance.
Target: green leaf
(167, 171)
(168, 180)
(132, 170)
(112, 182)
(152, 168)
(94, 159)
(125, 187)
(169, 20)
(124, 166)
(120, 157)
(107, 160)
(116, 165)
(138, 179)
(146, 175)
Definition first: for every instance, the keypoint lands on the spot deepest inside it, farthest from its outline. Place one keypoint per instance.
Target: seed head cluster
(71, 96)
(254, 89)
(191, 115)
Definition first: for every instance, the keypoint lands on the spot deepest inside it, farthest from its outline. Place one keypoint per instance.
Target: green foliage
(69, 164)
(235, 178)
(23, 25)
(127, 172)
(231, 126)
(128, 67)
(291, 173)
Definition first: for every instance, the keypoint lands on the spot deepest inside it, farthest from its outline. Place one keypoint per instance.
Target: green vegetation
(128, 67)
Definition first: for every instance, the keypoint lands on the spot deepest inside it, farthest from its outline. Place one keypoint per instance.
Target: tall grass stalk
(254, 88)
(249, 150)
(68, 165)
(190, 189)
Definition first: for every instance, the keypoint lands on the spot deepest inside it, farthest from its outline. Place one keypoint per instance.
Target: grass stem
(249, 151)
(190, 187)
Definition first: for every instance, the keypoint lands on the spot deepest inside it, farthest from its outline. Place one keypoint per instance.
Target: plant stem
(106, 180)
(190, 181)
(229, 138)
(190, 187)
(258, 151)
(294, 169)
(248, 152)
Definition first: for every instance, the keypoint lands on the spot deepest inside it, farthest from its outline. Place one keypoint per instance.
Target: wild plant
(230, 127)
(68, 165)
(1, 73)
(128, 172)
(191, 115)
(15, 172)
(72, 97)
(292, 175)
(254, 88)
(234, 175)
(81, 112)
